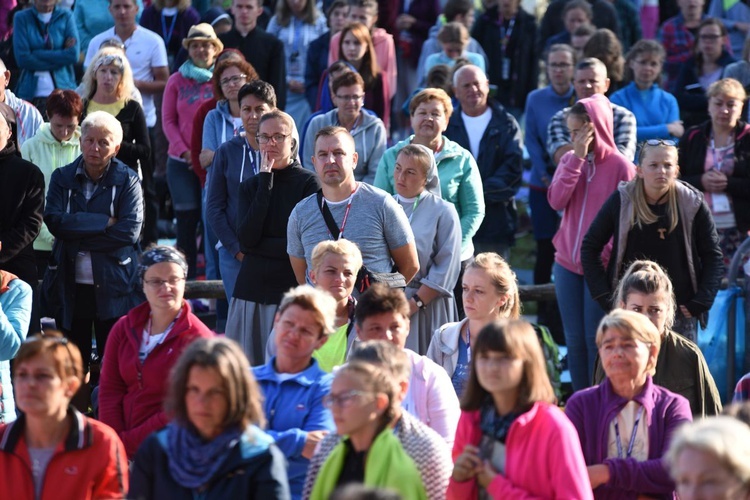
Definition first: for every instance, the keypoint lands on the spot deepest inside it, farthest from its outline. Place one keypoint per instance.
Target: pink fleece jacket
(182, 98)
(131, 394)
(581, 186)
(543, 458)
(385, 51)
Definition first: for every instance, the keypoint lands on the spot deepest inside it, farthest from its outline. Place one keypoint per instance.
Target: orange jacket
(89, 464)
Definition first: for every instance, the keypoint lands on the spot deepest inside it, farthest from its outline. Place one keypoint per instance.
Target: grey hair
(460, 70)
(102, 120)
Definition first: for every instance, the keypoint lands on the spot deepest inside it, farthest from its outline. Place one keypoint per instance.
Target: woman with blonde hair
(659, 218)
(710, 459)
(108, 86)
(714, 159)
(214, 445)
(626, 423)
(512, 440)
(490, 293)
(681, 368)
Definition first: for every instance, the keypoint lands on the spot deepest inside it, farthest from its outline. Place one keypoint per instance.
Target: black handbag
(365, 277)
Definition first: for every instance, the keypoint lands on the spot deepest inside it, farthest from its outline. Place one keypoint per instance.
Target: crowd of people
(348, 171)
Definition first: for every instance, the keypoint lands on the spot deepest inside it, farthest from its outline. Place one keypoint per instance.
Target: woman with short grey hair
(94, 210)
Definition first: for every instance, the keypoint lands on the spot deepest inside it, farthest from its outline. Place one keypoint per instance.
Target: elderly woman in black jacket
(659, 218)
(95, 212)
(715, 159)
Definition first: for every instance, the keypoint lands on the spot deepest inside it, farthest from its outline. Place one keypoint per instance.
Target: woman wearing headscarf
(437, 234)
(143, 346)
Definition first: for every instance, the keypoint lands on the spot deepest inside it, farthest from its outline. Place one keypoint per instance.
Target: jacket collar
(645, 398)
(79, 437)
(306, 377)
(138, 318)
(116, 175)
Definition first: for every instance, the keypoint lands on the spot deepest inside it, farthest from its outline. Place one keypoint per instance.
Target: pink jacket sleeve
(333, 50)
(170, 120)
(565, 180)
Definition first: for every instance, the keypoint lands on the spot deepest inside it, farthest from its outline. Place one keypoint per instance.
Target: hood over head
(600, 111)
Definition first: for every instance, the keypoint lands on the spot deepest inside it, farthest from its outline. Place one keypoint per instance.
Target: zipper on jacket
(583, 212)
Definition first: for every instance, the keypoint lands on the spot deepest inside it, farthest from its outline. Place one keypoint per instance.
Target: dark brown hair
(379, 299)
(65, 355)
(244, 67)
(64, 103)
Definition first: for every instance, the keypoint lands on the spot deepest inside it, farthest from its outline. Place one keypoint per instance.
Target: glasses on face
(156, 284)
(265, 139)
(344, 400)
(232, 80)
(347, 98)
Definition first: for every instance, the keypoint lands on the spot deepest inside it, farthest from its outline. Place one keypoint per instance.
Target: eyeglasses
(110, 59)
(265, 139)
(113, 42)
(156, 284)
(233, 80)
(347, 98)
(344, 400)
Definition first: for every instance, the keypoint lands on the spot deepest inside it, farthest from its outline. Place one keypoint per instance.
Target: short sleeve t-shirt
(376, 223)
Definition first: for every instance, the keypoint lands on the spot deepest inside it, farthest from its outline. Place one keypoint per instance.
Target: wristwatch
(418, 301)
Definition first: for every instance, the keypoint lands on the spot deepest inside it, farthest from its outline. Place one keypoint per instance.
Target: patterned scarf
(495, 425)
(193, 461)
(193, 72)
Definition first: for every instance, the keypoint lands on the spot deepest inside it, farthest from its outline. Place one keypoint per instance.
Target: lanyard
(505, 34)
(346, 214)
(414, 206)
(468, 343)
(294, 36)
(632, 436)
(167, 34)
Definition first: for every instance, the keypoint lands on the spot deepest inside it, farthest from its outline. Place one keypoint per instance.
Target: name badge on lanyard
(505, 35)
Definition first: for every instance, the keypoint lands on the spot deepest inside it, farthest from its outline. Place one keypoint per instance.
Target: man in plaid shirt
(591, 78)
(677, 35)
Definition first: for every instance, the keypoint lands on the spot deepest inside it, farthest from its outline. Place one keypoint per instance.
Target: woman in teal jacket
(46, 46)
(460, 181)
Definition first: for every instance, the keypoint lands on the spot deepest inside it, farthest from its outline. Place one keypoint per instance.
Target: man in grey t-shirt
(363, 214)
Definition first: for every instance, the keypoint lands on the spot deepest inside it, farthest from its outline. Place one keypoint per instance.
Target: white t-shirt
(475, 127)
(145, 50)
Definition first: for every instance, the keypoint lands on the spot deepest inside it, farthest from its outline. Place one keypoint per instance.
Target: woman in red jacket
(512, 441)
(143, 346)
(52, 451)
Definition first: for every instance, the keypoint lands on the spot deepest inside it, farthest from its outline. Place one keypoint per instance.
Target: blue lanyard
(167, 34)
(632, 436)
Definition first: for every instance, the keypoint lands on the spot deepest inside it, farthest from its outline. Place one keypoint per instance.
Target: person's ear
(276, 319)
(311, 274)
(321, 340)
(381, 402)
(606, 85)
(72, 384)
(117, 149)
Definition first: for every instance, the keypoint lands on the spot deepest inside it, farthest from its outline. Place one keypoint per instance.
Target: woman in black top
(656, 217)
(266, 201)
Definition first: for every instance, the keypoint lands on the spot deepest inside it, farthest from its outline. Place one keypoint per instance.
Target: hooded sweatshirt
(385, 51)
(369, 141)
(219, 126)
(47, 153)
(581, 186)
(234, 161)
(15, 314)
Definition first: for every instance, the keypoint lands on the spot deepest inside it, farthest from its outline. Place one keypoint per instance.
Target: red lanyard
(346, 214)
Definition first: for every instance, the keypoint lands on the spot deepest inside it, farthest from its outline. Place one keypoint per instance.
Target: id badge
(720, 203)
(295, 68)
(506, 69)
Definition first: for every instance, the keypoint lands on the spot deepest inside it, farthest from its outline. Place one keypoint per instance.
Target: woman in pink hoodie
(584, 179)
(512, 441)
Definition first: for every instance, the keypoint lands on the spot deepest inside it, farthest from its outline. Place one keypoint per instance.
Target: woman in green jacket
(56, 144)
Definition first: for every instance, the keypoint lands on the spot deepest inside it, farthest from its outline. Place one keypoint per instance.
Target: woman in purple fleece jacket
(626, 423)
